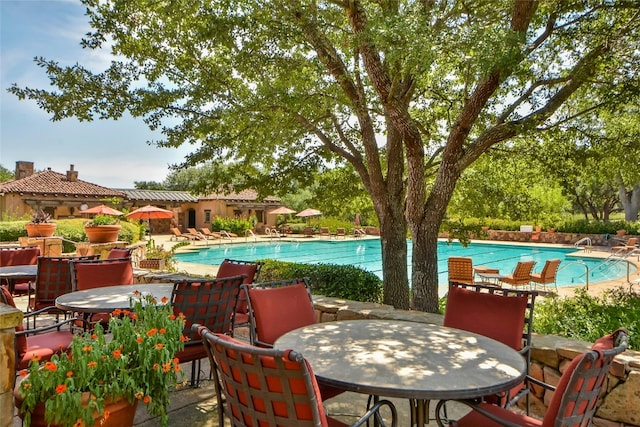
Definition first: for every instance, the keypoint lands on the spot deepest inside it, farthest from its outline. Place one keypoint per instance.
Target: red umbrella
(150, 212)
(102, 210)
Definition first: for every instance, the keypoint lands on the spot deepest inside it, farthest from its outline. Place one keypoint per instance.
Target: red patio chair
(574, 400)
(210, 303)
(270, 388)
(119, 253)
(27, 255)
(235, 267)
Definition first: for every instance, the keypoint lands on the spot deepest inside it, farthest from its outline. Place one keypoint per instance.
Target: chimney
(23, 169)
(72, 175)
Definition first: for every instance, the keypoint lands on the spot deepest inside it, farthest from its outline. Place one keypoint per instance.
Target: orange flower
(117, 354)
(152, 332)
(139, 395)
(23, 373)
(159, 346)
(92, 364)
(79, 423)
(176, 368)
(69, 374)
(163, 331)
(183, 338)
(136, 292)
(172, 316)
(87, 348)
(164, 300)
(146, 399)
(26, 386)
(94, 336)
(155, 366)
(176, 360)
(134, 316)
(139, 340)
(106, 414)
(50, 366)
(166, 367)
(117, 312)
(61, 388)
(36, 357)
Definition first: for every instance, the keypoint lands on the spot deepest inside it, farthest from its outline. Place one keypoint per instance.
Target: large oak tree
(410, 92)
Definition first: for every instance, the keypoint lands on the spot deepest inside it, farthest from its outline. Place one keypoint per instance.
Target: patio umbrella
(150, 212)
(102, 210)
(282, 210)
(309, 212)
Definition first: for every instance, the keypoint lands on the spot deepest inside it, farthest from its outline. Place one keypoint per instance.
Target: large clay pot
(43, 229)
(102, 233)
(121, 413)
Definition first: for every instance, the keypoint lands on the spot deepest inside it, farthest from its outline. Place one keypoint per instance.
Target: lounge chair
(631, 244)
(359, 232)
(324, 232)
(308, 232)
(209, 233)
(196, 233)
(548, 273)
(178, 234)
(340, 232)
(521, 274)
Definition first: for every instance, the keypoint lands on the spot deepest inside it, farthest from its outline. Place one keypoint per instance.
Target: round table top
(19, 271)
(406, 359)
(109, 298)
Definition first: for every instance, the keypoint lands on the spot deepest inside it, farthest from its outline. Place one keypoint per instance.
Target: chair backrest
(100, 273)
(549, 271)
(27, 255)
(523, 270)
(308, 231)
(632, 241)
(54, 279)
(234, 267)
(263, 387)
(209, 303)
(120, 253)
(340, 232)
(176, 231)
(267, 318)
(576, 396)
(460, 270)
(505, 315)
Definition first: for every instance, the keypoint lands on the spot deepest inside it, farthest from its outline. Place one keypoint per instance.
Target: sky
(110, 153)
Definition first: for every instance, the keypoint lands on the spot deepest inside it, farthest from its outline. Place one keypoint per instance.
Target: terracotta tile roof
(50, 182)
(159, 195)
(244, 195)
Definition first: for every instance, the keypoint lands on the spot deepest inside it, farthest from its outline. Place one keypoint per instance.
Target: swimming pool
(366, 255)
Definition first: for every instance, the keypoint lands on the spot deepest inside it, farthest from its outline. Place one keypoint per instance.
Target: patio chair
(41, 343)
(521, 275)
(269, 387)
(548, 273)
(208, 303)
(119, 253)
(267, 319)
(505, 315)
(52, 280)
(235, 267)
(199, 235)
(308, 232)
(324, 232)
(629, 246)
(460, 270)
(177, 234)
(574, 400)
(27, 255)
(340, 232)
(210, 233)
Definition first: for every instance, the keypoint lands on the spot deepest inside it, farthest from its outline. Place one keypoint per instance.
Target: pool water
(366, 254)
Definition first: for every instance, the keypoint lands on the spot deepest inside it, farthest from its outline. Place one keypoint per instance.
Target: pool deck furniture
(109, 298)
(416, 361)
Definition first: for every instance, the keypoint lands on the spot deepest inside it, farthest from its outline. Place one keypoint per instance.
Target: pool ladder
(250, 233)
(584, 244)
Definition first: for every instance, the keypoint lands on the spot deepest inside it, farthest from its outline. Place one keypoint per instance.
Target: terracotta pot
(102, 233)
(121, 412)
(45, 229)
(621, 232)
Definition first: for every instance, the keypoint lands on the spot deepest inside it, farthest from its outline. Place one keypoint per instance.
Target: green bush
(585, 317)
(232, 225)
(337, 281)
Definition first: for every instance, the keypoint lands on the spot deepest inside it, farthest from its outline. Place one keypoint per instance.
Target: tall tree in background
(409, 92)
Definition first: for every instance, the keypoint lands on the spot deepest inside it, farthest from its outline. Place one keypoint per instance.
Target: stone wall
(550, 355)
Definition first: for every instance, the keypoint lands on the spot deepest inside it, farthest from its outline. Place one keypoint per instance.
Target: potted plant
(105, 373)
(40, 225)
(102, 229)
(158, 258)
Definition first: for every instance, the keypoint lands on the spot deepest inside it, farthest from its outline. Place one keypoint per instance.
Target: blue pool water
(366, 254)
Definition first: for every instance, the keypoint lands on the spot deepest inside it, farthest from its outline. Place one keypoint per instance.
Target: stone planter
(44, 229)
(102, 233)
(152, 264)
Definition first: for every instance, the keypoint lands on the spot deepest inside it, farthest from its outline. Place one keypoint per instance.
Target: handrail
(565, 264)
(226, 235)
(587, 244)
(272, 232)
(249, 232)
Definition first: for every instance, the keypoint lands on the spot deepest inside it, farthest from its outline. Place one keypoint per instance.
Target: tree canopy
(409, 92)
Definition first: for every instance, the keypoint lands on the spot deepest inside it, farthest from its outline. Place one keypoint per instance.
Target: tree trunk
(393, 238)
(424, 279)
(630, 201)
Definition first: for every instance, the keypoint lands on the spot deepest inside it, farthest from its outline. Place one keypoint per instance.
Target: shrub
(331, 280)
(232, 225)
(585, 317)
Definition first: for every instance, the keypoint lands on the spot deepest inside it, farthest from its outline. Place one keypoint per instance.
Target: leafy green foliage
(331, 280)
(5, 174)
(586, 317)
(103, 220)
(233, 225)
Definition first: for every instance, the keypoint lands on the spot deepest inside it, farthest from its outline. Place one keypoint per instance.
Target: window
(207, 216)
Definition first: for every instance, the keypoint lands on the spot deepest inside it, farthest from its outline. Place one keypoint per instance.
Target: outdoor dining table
(12, 273)
(109, 298)
(417, 361)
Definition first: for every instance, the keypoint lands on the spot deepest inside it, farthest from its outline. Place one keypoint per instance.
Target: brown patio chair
(548, 273)
(574, 400)
(268, 387)
(209, 303)
(340, 232)
(236, 267)
(521, 275)
(192, 231)
(505, 315)
(324, 232)
(209, 233)
(460, 270)
(177, 234)
(629, 246)
(308, 232)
